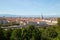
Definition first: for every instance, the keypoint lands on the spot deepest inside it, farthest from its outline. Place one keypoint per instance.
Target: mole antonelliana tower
(41, 16)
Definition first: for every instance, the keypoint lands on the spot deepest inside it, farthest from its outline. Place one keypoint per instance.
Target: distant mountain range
(7, 15)
(11, 15)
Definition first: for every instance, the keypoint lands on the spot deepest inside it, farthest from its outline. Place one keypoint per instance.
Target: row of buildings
(25, 21)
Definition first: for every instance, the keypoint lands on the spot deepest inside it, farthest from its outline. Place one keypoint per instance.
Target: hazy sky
(30, 7)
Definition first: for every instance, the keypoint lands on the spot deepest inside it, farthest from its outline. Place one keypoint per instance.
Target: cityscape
(40, 21)
(29, 19)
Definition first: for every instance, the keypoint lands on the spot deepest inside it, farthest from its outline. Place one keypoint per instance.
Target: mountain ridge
(12, 15)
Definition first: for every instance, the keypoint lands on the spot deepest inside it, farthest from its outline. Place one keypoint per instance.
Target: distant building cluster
(3, 21)
(25, 21)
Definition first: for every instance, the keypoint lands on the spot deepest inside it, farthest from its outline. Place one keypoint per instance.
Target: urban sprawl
(22, 22)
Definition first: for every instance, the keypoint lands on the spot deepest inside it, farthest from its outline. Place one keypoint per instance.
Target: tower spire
(41, 16)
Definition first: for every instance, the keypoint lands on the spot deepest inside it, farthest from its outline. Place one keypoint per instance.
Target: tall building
(3, 21)
(41, 16)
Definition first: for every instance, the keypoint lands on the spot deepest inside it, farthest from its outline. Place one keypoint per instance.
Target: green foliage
(8, 34)
(26, 34)
(49, 33)
(31, 33)
(16, 34)
(59, 21)
(2, 37)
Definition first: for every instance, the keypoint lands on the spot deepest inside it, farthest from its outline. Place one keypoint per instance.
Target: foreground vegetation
(32, 32)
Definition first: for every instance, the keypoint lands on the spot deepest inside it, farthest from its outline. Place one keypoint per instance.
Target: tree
(36, 34)
(2, 37)
(48, 34)
(8, 34)
(16, 34)
(32, 33)
(26, 35)
(27, 32)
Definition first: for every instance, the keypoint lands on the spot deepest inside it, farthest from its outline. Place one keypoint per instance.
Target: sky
(30, 7)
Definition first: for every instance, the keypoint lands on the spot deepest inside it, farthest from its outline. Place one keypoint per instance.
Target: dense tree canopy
(16, 34)
(31, 32)
(2, 37)
(7, 34)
